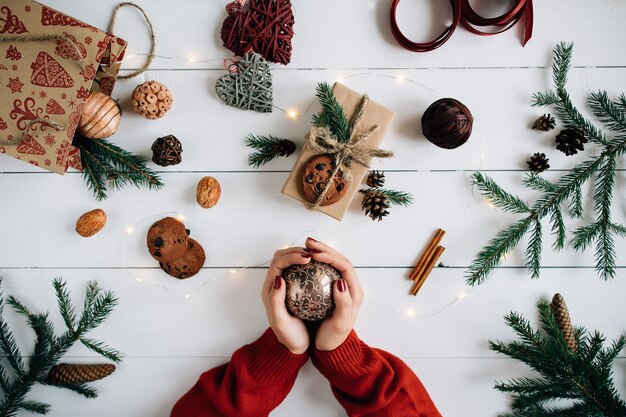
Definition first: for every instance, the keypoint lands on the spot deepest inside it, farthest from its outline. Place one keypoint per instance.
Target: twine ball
(152, 99)
(167, 151)
(100, 118)
(309, 290)
(447, 123)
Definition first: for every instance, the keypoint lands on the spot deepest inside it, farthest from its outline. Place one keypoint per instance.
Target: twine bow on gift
(321, 139)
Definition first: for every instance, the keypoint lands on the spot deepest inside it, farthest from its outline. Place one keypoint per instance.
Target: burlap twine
(344, 154)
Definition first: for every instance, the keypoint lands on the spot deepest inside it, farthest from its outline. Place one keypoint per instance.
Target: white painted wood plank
(253, 219)
(359, 34)
(213, 134)
(226, 312)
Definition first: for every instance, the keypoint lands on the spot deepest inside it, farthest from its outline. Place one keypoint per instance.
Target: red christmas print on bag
(33, 162)
(11, 22)
(13, 54)
(26, 114)
(106, 85)
(3, 124)
(53, 107)
(49, 139)
(89, 72)
(73, 158)
(51, 17)
(103, 45)
(47, 162)
(15, 85)
(48, 73)
(63, 153)
(2, 67)
(30, 146)
(74, 119)
(66, 49)
(82, 92)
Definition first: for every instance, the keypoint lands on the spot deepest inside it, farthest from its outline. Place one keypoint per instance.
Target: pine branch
(607, 112)
(100, 348)
(268, 148)
(558, 229)
(603, 199)
(398, 198)
(497, 196)
(65, 303)
(533, 251)
(332, 114)
(36, 407)
(82, 389)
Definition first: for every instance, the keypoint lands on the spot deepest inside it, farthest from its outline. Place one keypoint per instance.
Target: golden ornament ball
(100, 118)
(152, 99)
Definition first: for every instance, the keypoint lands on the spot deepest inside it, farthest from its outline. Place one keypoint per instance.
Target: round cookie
(187, 265)
(317, 171)
(167, 239)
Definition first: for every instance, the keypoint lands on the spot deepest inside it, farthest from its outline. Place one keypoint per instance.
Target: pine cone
(538, 162)
(561, 314)
(545, 123)
(570, 141)
(285, 147)
(375, 179)
(66, 373)
(375, 205)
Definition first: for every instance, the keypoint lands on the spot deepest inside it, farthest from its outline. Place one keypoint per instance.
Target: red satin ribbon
(463, 13)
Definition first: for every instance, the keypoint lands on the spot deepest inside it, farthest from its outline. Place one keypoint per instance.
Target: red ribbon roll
(462, 12)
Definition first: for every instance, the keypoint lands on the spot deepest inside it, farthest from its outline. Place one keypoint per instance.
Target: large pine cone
(66, 373)
(570, 141)
(375, 205)
(561, 314)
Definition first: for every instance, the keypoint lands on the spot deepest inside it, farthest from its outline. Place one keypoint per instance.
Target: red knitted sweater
(366, 381)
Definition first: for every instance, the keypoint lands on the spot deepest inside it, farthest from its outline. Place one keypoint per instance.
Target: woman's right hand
(348, 295)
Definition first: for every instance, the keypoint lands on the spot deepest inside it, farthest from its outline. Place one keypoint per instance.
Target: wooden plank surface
(169, 339)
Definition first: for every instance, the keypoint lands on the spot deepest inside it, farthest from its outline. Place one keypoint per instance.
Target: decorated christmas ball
(100, 118)
(152, 99)
(447, 123)
(167, 151)
(317, 172)
(310, 290)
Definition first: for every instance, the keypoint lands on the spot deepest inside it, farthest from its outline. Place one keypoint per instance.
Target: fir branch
(36, 407)
(82, 389)
(398, 198)
(497, 196)
(65, 303)
(538, 183)
(603, 199)
(94, 174)
(332, 114)
(100, 348)
(533, 250)
(267, 148)
(607, 112)
(558, 229)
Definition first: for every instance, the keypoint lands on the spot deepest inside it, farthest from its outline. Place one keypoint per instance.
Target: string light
(400, 78)
(292, 114)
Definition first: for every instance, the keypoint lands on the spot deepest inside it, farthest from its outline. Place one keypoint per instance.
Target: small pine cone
(570, 141)
(375, 205)
(538, 162)
(375, 179)
(545, 123)
(285, 147)
(561, 314)
(66, 373)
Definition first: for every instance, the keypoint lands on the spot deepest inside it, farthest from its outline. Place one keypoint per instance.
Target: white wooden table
(169, 339)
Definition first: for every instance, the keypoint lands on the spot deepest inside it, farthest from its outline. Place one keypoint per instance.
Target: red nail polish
(341, 285)
(311, 239)
(312, 250)
(305, 255)
(278, 282)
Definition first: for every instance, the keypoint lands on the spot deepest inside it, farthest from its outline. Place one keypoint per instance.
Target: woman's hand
(289, 330)
(347, 293)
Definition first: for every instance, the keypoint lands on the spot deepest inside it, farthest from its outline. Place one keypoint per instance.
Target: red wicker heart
(261, 26)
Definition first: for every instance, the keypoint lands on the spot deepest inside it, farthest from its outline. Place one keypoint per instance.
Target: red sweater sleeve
(371, 382)
(257, 379)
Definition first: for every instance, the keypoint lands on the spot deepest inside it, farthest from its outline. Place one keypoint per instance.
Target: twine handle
(150, 55)
(22, 137)
(45, 38)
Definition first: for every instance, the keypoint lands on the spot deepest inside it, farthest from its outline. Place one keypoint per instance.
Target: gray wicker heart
(250, 88)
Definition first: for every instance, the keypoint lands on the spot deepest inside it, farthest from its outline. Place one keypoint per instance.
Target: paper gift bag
(375, 114)
(44, 76)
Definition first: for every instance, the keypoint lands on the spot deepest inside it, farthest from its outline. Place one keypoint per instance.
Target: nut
(91, 222)
(208, 192)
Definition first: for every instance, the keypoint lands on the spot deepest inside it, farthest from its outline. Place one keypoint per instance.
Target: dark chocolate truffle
(447, 123)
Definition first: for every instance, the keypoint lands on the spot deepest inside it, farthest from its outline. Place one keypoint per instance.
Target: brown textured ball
(167, 151)
(187, 265)
(309, 290)
(100, 118)
(316, 173)
(167, 239)
(447, 123)
(152, 99)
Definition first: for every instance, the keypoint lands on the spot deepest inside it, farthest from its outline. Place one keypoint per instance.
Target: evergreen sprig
(19, 376)
(267, 148)
(600, 169)
(106, 165)
(582, 378)
(398, 198)
(332, 114)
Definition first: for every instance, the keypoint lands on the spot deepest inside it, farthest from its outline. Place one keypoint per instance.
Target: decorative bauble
(152, 99)
(317, 172)
(570, 141)
(100, 118)
(447, 123)
(310, 290)
(167, 151)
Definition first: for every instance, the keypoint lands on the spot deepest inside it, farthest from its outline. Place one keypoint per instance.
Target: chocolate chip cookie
(317, 172)
(187, 265)
(167, 239)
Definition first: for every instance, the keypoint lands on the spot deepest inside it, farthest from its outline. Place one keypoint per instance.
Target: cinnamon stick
(421, 263)
(429, 267)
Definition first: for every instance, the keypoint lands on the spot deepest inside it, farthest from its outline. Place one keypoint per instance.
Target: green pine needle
(600, 170)
(267, 148)
(18, 378)
(332, 114)
(581, 381)
(397, 198)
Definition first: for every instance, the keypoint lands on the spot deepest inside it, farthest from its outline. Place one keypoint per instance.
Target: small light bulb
(400, 78)
(181, 218)
(410, 312)
(187, 296)
(340, 80)
(233, 271)
(192, 59)
(292, 114)
(462, 295)
(139, 280)
(130, 229)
